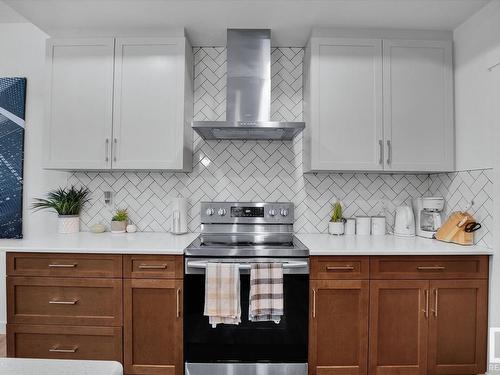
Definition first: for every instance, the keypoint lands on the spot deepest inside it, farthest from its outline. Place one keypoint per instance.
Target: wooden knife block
(452, 231)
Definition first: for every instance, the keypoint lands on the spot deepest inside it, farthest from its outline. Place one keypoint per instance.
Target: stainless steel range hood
(248, 102)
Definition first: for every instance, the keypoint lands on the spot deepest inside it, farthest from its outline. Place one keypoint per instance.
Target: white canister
(179, 216)
(350, 227)
(363, 225)
(378, 225)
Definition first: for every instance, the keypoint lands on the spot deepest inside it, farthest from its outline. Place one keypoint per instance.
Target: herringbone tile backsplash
(250, 170)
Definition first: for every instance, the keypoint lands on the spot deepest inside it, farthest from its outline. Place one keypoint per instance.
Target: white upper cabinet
(79, 103)
(418, 105)
(144, 123)
(378, 105)
(149, 104)
(345, 95)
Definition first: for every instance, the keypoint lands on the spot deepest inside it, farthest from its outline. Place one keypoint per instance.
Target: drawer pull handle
(340, 268)
(431, 268)
(57, 349)
(72, 265)
(153, 266)
(54, 302)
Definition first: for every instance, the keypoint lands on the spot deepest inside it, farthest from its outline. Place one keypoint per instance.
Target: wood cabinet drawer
(153, 266)
(45, 300)
(429, 267)
(63, 342)
(64, 265)
(339, 267)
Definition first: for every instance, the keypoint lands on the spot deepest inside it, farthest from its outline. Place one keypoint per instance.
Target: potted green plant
(68, 203)
(119, 221)
(336, 224)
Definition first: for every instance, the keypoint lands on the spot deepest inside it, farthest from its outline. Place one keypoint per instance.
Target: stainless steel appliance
(428, 211)
(248, 102)
(246, 233)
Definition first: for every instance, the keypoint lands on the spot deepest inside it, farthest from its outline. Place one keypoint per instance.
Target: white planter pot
(118, 226)
(68, 224)
(336, 228)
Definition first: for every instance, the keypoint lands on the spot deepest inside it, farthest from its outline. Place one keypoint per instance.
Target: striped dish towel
(266, 292)
(222, 293)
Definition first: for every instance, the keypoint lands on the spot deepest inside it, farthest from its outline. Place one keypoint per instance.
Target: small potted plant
(119, 221)
(336, 224)
(68, 203)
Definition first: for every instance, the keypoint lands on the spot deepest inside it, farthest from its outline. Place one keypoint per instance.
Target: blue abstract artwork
(12, 116)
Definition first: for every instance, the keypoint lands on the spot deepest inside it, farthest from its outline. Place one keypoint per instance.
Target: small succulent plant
(337, 213)
(120, 215)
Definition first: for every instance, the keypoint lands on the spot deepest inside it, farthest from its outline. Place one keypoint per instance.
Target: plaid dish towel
(266, 292)
(222, 293)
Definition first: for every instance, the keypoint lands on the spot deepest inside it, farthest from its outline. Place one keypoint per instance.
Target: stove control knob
(222, 211)
(210, 211)
(272, 212)
(284, 212)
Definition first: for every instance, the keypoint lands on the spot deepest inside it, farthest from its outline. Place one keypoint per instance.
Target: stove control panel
(239, 212)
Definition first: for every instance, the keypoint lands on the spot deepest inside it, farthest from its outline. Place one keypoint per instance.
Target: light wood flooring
(3, 346)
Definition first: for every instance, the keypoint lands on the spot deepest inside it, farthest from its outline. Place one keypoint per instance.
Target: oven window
(248, 341)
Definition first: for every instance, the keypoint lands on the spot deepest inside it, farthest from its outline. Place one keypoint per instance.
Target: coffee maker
(428, 211)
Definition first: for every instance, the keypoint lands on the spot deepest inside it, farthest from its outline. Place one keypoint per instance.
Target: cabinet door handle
(431, 268)
(152, 266)
(435, 310)
(72, 265)
(115, 146)
(57, 349)
(314, 303)
(106, 150)
(340, 268)
(55, 302)
(178, 302)
(389, 152)
(381, 151)
(426, 311)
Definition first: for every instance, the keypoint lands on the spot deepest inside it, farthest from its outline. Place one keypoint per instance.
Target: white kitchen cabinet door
(418, 105)
(150, 117)
(79, 103)
(343, 105)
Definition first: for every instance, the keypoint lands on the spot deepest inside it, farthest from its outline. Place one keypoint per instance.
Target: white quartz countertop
(166, 243)
(326, 244)
(21, 366)
(106, 243)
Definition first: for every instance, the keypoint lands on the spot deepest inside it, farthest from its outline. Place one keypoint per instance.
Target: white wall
(22, 49)
(475, 42)
(477, 110)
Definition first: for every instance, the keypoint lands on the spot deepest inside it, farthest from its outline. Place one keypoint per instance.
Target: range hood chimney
(248, 101)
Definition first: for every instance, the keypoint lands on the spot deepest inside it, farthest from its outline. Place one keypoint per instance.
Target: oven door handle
(286, 265)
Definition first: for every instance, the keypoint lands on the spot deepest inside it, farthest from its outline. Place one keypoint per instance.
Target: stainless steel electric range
(247, 233)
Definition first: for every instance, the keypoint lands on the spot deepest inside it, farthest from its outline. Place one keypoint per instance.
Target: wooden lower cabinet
(399, 312)
(338, 338)
(458, 327)
(153, 327)
(64, 342)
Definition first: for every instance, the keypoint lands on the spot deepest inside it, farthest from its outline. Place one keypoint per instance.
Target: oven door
(250, 347)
